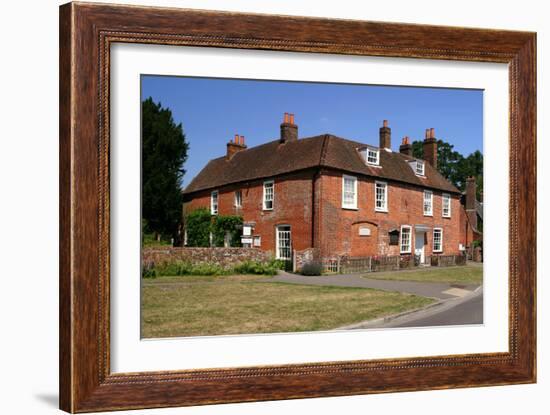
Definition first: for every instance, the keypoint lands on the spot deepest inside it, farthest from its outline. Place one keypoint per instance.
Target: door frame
(277, 241)
(423, 236)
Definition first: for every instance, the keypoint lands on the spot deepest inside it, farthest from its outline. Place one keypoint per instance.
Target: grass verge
(468, 274)
(200, 306)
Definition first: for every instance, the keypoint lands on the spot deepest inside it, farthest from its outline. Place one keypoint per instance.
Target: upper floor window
(370, 155)
(373, 156)
(269, 194)
(438, 240)
(446, 205)
(428, 203)
(349, 192)
(214, 202)
(381, 196)
(405, 240)
(419, 168)
(238, 198)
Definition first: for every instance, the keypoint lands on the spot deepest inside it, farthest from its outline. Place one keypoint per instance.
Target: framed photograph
(259, 207)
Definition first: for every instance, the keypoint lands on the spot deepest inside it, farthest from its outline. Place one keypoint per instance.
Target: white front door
(284, 243)
(419, 245)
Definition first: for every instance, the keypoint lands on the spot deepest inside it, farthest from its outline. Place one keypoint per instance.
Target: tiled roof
(273, 159)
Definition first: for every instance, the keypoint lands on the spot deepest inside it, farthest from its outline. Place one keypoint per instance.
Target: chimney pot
(242, 140)
(289, 130)
(432, 133)
(385, 123)
(405, 147)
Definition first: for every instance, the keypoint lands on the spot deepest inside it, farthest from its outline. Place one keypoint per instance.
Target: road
(460, 311)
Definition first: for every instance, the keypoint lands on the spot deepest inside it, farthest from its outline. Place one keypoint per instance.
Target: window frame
(354, 204)
(440, 240)
(376, 152)
(264, 200)
(385, 207)
(217, 204)
(238, 201)
(420, 163)
(401, 251)
(431, 212)
(444, 197)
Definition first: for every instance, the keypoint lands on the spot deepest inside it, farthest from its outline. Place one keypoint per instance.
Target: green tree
(454, 166)
(163, 153)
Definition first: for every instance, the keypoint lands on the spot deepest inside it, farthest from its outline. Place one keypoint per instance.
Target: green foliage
(149, 240)
(182, 268)
(226, 224)
(312, 268)
(259, 268)
(198, 224)
(164, 151)
(454, 166)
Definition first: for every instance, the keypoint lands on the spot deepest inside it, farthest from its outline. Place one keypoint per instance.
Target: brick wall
(225, 257)
(330, 229)
(339, 228)
(291, 206)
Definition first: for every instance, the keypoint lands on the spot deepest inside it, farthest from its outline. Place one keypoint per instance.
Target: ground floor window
(438, 240)
(284, 243)
(405, 243)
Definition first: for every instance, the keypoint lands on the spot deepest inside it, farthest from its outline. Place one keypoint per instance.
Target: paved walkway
(441, 291)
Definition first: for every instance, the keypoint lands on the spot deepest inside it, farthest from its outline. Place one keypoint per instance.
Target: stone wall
(225, 257)
(303, 257)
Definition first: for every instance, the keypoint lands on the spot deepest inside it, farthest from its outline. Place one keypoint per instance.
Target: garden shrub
(223, 224)
(198, 226)
(312, 268)
(182, 268)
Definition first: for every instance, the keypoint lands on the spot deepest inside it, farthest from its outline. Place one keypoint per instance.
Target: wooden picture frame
(86, 33)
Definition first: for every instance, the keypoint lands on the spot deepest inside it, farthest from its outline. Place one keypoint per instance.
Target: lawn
(199, 306)
(467, 274)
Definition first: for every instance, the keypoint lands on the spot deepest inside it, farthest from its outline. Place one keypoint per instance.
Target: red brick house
(339, 196)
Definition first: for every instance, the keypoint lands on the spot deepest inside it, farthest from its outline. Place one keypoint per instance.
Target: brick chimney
(430, 147)
(406, 147)
(385, 135)
(234, 146)
(289, 130)
(471, 209)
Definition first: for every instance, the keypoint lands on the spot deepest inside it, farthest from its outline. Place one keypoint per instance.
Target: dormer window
(419, 169)
(370, 155)
(373, 156)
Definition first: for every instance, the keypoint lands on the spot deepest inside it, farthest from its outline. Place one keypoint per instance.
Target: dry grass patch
(199, 306)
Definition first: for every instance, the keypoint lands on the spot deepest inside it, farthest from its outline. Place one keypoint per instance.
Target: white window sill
(405, 252)
(381, 210)
(446, 217)
(350, 207)
(428, 214)
(438, 252)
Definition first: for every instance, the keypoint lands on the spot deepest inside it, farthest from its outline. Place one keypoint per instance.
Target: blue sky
(213, 110)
